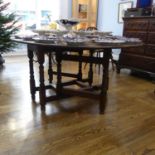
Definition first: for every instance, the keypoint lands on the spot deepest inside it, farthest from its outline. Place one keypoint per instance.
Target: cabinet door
(142, 58)
(152, 26)
(136, 25)
(138, 62)
(150, 51)
(136, 34)
(134, 50)
(151, 38)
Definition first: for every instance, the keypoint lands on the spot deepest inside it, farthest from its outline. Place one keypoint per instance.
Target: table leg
(50, 70)
(90, 73)
(32, 79)
(59, 77)
(80, 67)
(105, 80)
(42, 92)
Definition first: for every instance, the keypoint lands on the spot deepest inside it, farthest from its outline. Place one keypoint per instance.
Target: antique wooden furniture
(98, 53)
(92, 91)
(140, 58)
(86, 12)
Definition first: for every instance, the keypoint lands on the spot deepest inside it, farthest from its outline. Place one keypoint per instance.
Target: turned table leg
(42, 92)
(105, 80)
(32, 79)
(90, 73)
(59, 77)
(50, 70)
(80, 66)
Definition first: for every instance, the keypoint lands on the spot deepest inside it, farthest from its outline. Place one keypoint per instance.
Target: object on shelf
(137, 12)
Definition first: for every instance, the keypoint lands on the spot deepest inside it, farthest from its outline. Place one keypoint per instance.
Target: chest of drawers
(140, 58)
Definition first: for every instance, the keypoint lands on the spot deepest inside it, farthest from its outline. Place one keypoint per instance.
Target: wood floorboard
(74, 126)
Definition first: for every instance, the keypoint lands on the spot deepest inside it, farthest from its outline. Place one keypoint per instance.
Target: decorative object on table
(67, 23)
(7, 29)
(26, 35)
(47, 32)
(74, 39)
(44, 39)
(53, 25)
(123, 6)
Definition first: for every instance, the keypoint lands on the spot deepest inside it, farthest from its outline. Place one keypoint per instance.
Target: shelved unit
(142, 59)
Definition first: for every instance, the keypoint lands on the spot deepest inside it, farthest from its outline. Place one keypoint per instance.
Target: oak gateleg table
(89, 90)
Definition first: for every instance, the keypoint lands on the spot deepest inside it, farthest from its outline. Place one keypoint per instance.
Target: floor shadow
(143, 75)
(68, 106)
(81, 106)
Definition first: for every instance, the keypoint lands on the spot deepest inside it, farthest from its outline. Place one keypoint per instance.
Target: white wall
(65, 8)
(108, 16)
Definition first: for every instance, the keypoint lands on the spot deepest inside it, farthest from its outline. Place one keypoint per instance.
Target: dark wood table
(87, 89)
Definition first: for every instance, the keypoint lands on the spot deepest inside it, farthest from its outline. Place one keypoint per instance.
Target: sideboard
(140, 58)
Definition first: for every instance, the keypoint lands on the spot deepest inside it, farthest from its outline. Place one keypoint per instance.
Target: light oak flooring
(74, 126)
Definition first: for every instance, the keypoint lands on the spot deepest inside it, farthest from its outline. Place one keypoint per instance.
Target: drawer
(136, 25)
(152, 26)
(134, 34)
(150, 51)
(151, 38)
(137, 62)
(134, 50)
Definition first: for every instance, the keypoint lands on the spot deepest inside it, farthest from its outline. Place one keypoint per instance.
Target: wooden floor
(74, 126)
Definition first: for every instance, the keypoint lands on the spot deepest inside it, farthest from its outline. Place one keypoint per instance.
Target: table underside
(63, 89)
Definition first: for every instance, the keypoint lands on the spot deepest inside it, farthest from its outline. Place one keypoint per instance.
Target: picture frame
(122, 7)
(82, 11)
(82, 8)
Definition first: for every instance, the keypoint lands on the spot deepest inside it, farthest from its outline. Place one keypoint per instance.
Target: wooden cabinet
(86, 12)
(141, 58)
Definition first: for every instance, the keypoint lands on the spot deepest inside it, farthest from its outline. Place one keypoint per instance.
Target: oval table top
(82, 46)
